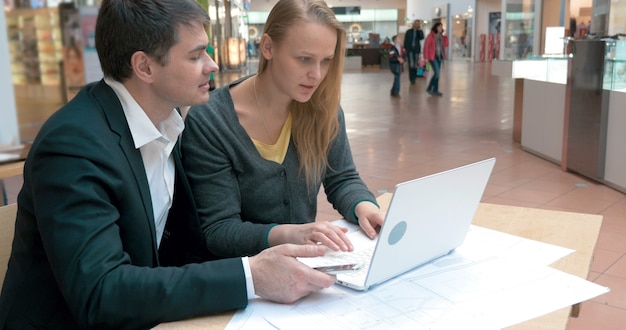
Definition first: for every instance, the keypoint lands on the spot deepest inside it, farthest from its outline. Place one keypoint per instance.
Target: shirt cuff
(248, 273)
(267, 235)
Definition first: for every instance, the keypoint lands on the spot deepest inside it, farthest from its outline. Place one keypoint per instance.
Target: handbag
(420, 71)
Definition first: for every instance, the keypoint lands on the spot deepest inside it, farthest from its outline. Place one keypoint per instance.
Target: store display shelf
(34, 45)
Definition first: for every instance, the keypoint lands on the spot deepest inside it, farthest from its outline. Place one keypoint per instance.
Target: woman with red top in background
(434, 52)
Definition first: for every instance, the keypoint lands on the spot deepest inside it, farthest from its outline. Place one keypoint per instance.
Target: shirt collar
(141, 127)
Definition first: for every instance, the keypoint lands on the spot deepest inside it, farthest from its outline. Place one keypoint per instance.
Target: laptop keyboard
(362, 257)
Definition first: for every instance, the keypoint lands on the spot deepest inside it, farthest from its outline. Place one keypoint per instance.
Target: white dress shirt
(156, 145)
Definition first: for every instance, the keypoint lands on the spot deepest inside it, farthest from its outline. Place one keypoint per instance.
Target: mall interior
(537, 84)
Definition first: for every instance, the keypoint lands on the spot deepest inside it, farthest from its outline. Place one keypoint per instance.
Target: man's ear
(266, 46)
(142, 64)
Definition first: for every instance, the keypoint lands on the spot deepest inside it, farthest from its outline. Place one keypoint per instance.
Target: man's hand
(279, 277)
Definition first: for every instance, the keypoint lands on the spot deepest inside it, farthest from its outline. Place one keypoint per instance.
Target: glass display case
(543, 68)
(540, 104)
(554, 68)
(593, 76)
(615, 66)
(615, 81)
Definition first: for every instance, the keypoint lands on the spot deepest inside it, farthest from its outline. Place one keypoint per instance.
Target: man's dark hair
(127, 26)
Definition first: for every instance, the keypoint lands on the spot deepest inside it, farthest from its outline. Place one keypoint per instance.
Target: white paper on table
(488, 295)
(510, 292)
(492, 281)
(484, 241)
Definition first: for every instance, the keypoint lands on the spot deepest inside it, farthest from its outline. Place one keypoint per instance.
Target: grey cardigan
(241, 195)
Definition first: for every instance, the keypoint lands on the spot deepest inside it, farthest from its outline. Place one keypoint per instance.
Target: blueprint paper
(493, 280)
(487, 242)
(490, 295)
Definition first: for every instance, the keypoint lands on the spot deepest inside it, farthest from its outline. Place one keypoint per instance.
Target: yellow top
(276, 152)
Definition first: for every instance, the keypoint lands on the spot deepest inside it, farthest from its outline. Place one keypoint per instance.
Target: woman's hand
(370, 217)
(322, 232)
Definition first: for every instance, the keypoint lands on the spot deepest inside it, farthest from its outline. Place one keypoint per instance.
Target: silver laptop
(427, 218)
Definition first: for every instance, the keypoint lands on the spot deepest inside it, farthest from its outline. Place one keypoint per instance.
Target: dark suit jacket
(408, 41)
(85, 253)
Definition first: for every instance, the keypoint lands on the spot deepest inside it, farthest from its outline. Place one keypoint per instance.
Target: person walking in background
(522, 41)
(397, 56)
(434, 52)
(413, 47)
(258, 152)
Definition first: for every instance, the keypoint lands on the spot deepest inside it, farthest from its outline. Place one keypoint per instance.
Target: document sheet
(494, 280)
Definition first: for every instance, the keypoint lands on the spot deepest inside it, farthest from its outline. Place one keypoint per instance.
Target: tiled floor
(394, 140)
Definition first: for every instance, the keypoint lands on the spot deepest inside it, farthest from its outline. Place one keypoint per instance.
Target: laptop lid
(427, 218)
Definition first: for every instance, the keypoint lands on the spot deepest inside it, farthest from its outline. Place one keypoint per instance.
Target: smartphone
(338, 269)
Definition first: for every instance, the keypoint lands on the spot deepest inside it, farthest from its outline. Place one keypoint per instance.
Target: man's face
(416, 25)
(184, 80)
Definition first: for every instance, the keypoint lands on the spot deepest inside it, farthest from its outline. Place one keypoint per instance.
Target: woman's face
(300, 62)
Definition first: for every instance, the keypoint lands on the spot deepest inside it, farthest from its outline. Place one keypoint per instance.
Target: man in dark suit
(107, 235)
(412, 39)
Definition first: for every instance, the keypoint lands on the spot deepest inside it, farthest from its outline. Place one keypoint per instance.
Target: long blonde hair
(314, 123)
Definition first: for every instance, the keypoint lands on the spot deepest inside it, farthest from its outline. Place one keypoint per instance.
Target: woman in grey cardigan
(259, 151)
